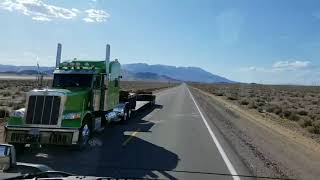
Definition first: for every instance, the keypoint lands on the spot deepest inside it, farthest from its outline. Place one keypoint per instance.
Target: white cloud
(282, 66)
(40, 11)
(94, 15)
(283, 72)
(88, 20)
(41, 18)
(291, 65)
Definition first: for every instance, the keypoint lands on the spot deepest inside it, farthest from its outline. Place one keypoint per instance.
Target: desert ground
(297, 104)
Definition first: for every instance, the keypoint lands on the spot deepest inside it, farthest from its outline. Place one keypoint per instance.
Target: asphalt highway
(172, 140)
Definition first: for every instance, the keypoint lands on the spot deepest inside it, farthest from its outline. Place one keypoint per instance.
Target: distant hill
(140, 71)
(145, 76)
(194, 74)
(12, 68)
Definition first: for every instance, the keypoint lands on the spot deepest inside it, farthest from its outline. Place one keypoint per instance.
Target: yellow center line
(129, 138)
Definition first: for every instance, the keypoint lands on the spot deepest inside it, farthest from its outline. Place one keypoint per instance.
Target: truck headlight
(18, 113)
(72, 116)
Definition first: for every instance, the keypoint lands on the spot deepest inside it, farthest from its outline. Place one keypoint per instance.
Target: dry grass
(300, 104)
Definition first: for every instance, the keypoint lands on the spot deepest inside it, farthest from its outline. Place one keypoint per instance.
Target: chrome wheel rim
(85, 134)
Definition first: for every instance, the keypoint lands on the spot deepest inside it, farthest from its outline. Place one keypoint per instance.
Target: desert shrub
(244, 102)
(272, 108)
(277, 110)
(301, 105)
(259, 100)
(232, 98)
(10, 104)
(6, 93)
(18, 92)
(260, 110)
(302, 112)
(18, 105)
(260, 104)
(304, 122)
(313, 116)
(301, 122)
(218, 93)
(4, 113)
(293, 117)
(312, 129)
(286, 113)
(252, 105)
(316, 124)
(307, 121)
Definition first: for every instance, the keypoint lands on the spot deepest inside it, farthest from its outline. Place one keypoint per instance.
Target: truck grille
(43, 110)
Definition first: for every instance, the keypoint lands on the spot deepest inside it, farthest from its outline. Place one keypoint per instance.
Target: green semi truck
(84, 97)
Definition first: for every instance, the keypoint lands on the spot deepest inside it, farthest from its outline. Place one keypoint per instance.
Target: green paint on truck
(81, 90)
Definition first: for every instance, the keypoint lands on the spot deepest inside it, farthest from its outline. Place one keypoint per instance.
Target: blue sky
(264, 41)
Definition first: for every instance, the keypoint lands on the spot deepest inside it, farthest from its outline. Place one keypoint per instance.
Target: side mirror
(7, 156)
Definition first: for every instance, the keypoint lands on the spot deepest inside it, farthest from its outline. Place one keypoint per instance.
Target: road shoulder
(265, 146)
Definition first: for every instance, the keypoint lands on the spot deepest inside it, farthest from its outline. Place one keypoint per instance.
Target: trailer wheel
(85, 133)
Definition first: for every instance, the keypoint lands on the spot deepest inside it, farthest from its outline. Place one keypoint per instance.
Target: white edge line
(215, 140)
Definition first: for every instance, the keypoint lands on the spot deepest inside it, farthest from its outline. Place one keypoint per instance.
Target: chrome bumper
(34, 135)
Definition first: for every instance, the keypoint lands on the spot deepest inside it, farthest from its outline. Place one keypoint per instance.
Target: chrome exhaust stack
(107, 58)
(58, 57)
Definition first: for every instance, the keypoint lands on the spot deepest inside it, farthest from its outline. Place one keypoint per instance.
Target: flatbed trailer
(141, 104)
(130, 103)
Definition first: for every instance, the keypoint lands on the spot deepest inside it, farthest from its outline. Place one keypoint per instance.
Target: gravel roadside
(267, 148)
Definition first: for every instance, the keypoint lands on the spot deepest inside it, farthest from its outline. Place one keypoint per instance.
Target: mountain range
(139, 71)
(193, 74)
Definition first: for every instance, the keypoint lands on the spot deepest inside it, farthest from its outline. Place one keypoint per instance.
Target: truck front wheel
(85, 133)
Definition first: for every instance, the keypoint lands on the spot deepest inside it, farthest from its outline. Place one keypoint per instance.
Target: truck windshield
(72, 80)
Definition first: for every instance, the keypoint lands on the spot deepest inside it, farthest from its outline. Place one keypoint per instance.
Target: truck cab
(81, 99)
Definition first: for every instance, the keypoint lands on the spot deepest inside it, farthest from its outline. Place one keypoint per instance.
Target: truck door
(96, 93)
(114, 84)
(105, 92)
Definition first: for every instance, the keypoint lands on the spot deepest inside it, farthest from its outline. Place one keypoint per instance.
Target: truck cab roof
(81, 67)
